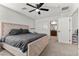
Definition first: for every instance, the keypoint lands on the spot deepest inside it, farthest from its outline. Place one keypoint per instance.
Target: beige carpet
(59, 49)
(53, 49)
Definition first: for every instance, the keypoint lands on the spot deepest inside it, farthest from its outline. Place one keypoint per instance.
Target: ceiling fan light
(53, 22)
(37, 10)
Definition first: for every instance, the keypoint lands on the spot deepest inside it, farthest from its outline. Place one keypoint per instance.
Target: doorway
(75, 27)
(53, 30)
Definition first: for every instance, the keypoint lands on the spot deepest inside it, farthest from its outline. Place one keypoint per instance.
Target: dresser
(53, 33)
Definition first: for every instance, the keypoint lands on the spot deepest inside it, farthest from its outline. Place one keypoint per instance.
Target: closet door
(64, 32)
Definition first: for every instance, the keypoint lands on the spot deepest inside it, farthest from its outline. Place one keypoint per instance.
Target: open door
(64, 32)
(53, 28)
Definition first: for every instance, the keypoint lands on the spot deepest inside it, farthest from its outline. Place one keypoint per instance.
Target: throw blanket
(21, 41)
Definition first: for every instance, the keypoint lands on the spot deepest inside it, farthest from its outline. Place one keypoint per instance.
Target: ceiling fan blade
(32, 10)
(44, 9)
(30, 5)
(39, 12)
(39, 5)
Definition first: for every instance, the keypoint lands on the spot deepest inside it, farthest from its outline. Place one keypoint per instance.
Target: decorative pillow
(18, 31)
(25, 31)
(15, 32)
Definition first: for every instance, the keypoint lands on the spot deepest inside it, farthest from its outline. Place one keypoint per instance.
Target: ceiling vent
(65, 8)
(24, 8)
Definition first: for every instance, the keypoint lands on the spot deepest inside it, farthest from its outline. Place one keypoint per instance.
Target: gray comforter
(21, 41)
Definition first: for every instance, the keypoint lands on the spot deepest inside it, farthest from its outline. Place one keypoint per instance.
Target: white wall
(8, 15)
(75, 21)
(43, 25)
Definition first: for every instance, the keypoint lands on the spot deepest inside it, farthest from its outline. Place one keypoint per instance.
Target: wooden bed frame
(34, 48)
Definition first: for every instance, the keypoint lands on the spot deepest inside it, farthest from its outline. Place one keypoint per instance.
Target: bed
(35, 47)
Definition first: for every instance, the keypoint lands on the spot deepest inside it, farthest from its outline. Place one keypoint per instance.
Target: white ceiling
(54, 9)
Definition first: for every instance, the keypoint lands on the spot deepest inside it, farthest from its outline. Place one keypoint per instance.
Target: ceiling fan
(37, 8)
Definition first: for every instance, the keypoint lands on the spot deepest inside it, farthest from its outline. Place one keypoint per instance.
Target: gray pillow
(25, 31)
(15, 32)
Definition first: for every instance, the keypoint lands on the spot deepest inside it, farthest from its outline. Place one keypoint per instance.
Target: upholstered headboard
(6, 27)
